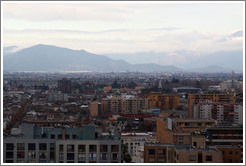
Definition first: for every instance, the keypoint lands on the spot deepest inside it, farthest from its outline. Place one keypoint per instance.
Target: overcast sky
(129, 27)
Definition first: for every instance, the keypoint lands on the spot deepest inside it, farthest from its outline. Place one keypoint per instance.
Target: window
(192, 158)
(209, 158)
(81, 158)
(151, 151)
(92, 156)
(60, 148)
(9, 146)
(151, 160)
(114, 156)
(103, 156)
(195, 143)
(59, 136)
(230, 152)
(181, 137)
(81, 148)
(44, 135)
(42, 155)
(70, 148)
(114, 148)
(42, 146)
(103, 148)
(53, 136)
(70, 156)
(31, 146)
(52, 146)
(92, 148)
(52, 155)
(162, 151)
(187, 124)
(20, 146)
(74, 136)
(9, 155)
(161, 160)
(31, 155)
(67, 136)
(20, 155)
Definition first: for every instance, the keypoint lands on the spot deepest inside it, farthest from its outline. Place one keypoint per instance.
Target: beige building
(196, 155)
(95, 109)
(163, 101)
(209, 98)
(179, 130)
(118, 105)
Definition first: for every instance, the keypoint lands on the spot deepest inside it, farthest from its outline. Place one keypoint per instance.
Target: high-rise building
(224, 113)
(64, 85)
(163, 101)
(95, 109)
(119, 105)
(208, 98)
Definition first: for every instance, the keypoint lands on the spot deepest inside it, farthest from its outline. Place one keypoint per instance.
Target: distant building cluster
(125, 117)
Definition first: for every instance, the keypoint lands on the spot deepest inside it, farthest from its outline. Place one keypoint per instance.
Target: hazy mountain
(232, 60)
(210, 69)
(52, 58)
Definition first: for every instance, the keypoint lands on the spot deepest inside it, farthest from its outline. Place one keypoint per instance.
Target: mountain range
(52, 58)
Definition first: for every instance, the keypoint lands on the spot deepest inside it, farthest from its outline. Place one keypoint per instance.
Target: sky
(125, 27)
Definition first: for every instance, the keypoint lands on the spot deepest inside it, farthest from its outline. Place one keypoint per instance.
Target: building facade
(208, 98)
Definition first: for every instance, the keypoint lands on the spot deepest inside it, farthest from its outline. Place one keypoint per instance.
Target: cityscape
(114, 95)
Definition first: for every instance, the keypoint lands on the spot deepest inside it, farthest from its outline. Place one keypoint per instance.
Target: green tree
(127, 158)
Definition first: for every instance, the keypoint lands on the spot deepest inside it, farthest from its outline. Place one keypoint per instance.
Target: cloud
(126, 40)
(64, 12)
(165, 29)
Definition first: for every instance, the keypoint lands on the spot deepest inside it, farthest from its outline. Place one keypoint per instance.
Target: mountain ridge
(35, 58)
(43, 57)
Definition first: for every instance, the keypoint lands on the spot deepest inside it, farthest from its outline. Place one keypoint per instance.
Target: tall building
(163, 101)
(95, 109)
(64, 85)
(208, 98)
(119, 105)
(224, 113)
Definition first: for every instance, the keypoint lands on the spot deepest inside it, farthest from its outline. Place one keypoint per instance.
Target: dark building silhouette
(64, 85)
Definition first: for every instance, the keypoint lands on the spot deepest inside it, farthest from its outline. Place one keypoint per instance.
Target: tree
(127, 158)
(115, 84)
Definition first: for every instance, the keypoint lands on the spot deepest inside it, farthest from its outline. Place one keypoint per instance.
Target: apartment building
(118, 105)
(61, 145)
(196, 155)
(208, 98)
(88, 151)
(179, 130)
(171, 153)
(224, 113)
(95, 109)
(229, 140)
(163, 101)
